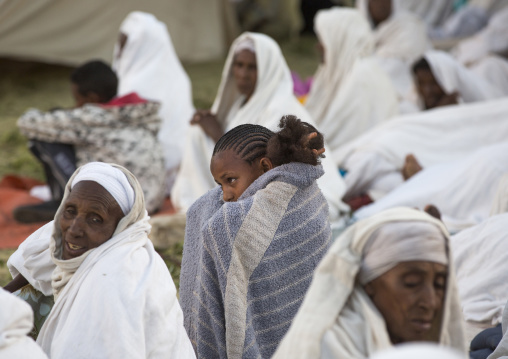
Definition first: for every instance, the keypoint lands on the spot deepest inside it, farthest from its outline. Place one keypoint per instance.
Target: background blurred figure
(350, 93)
(146, 63)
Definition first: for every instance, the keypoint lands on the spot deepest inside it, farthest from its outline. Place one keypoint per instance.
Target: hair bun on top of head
(292, 144)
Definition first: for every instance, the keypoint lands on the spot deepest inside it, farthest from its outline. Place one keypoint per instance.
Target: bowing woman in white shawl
(256, 88)
(387, 280)
(114, 296)
(146, 63)
(350, 93)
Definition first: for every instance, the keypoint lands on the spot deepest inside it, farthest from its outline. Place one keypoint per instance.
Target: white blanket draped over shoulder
(350, 93)
(116, 300)
(272, 98)
(374, 160)
(149, 66)
(481, 258)
(337, 319)
(463, 190)
(16, 321)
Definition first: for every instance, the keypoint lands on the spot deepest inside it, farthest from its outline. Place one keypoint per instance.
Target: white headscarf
(454, 77)
(65, 269)
(149, 66)
(338, 319)
(349, 79)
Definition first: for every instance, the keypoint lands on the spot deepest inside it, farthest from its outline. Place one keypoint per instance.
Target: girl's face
(233, 174)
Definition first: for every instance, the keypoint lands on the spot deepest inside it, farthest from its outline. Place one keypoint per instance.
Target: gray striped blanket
(247, 264)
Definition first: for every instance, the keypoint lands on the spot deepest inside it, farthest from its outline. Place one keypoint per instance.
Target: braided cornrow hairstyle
(289, 144)
(248, 141)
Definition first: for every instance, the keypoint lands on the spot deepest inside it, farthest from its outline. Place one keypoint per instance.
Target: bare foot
(433, 211)
(411, 167)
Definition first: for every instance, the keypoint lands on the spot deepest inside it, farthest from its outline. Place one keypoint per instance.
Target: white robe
(462, 190)
(16, 321)
(350, 93)
(337, 319)
(149, 66)
(399, 41)
(117, 300)
(272, 98)
(374, 160)
(494, 69)
(481, 262)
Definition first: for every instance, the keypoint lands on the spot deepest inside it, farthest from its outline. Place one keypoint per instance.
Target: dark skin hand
(16, 284)
(306, 144)
(209, 124)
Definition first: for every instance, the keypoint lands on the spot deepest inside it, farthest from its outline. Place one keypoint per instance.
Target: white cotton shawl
(374, 159)
(493, 69)
(149, 66)
(272, 98)
(16, 321)
(419, 351)
(454, 77)
(481, 262)
(463, 190)
(121, 287)
(350, 92)
(338, 320)
(500, 202)
(490, 40)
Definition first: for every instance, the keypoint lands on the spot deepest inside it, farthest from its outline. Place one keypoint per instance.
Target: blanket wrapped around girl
(252, 243)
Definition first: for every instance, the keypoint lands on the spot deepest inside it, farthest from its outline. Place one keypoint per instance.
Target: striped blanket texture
(247, 264)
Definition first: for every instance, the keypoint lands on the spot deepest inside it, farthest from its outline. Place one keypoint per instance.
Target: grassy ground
(26, 85)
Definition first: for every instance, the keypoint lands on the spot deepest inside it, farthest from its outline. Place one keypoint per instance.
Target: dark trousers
(59, 163)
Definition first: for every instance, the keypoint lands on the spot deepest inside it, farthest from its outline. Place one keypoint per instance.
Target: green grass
(25, 85)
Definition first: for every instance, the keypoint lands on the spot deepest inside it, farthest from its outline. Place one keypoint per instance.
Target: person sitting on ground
(252, 243)
(256, 88)
(146, 63)
(102, 128)
(386, 280)
(441, 81)
(114, 296)
(347, 79)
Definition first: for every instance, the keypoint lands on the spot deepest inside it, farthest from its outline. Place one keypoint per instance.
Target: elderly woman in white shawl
(114, 296)
(350, 93)
(146, 63)
(400, 38)
(256, 88)
(387, 280)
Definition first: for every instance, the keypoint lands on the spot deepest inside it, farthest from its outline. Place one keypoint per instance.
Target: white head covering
(245, 44)
(454, 77)
(348, 79)
(337, 318)
(149, 66)
(418, 351)
(397, 242)
(65, 269)
(112, 179)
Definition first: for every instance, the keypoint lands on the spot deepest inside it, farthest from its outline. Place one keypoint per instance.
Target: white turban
(245, 44)
(397, 242)
(112, 179)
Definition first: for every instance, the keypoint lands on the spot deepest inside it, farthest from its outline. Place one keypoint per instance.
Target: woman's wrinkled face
(379, 10)
(89, 218)
(245, 72)
(410, 297)
(428, 88)
(234, 174)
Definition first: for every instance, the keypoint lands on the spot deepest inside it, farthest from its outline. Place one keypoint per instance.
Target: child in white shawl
(146, 63)
(350, 93)
(239, 101)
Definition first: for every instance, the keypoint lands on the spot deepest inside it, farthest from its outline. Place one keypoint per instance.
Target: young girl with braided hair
(252, 243)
